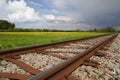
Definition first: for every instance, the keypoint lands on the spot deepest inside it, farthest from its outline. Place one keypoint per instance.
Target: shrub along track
(50, 62)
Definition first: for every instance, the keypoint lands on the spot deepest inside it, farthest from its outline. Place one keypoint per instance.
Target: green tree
(6, 25)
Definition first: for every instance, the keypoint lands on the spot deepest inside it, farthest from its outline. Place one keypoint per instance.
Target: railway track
(50, 62)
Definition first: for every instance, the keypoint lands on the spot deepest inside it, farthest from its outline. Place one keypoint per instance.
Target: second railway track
(45, 62)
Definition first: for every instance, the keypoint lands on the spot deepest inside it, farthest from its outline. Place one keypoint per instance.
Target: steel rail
(64, 69)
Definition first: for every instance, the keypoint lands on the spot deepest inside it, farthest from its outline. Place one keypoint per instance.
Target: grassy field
(19, 39)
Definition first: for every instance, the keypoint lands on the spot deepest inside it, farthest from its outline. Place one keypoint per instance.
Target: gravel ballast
(109, 68)
(6, 66)
(68, 50)
(40, 61)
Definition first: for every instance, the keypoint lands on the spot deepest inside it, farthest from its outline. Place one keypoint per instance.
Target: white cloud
(55, 11)
(3, 7)
(60, 14)
(61, 4)
(18, 11)
(49, 17)
(35, 3)
(25, 16)
(57, 18)
(63, 18)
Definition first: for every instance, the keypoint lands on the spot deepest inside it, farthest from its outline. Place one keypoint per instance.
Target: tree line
(106, 29)
(8, 26)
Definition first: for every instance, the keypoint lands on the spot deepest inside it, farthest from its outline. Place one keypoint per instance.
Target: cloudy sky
(61, 14)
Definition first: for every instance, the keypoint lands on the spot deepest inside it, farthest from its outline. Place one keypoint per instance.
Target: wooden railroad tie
(100, 54)
(92, 63)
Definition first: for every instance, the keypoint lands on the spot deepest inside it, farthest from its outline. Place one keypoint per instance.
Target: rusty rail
(62, 70)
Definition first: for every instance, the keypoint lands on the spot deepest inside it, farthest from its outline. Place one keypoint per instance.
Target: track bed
(37, 60)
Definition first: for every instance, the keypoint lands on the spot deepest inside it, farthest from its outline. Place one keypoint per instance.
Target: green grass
(14, 39)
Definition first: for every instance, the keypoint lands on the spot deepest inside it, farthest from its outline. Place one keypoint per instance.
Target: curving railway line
(52, 61)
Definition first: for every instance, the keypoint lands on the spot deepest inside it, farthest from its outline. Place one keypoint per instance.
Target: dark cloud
(100, 12)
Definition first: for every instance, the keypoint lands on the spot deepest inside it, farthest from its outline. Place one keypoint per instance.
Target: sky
(61, 14)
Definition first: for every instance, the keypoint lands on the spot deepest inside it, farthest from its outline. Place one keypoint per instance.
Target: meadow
(10, 40)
